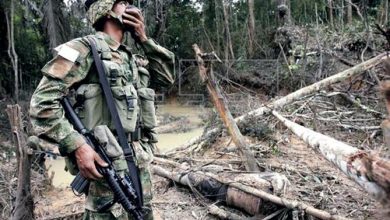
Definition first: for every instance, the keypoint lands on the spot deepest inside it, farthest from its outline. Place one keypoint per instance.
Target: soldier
(129, 77)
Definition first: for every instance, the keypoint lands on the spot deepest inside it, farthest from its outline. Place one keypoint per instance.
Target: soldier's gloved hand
(134, 18)
(86, 158)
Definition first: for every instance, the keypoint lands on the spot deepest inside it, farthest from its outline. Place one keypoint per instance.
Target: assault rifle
(122, 187)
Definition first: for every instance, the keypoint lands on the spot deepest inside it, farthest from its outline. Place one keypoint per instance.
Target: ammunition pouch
(111, 146)
(136, 135)
(126, 101)
(93, 109)
(144, 153)
(148, 110)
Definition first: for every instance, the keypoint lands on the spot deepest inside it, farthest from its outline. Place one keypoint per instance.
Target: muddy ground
(313, 180)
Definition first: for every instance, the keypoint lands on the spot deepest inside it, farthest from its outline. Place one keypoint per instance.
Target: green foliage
(185, 22)
(304, 11)
(30, 46)
(183, 28)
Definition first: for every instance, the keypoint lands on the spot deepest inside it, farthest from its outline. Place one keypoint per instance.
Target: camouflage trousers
(99, 192)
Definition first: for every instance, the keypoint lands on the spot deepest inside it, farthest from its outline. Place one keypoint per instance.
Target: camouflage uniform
(71, 69)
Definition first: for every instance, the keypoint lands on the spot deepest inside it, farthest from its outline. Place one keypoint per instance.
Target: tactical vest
(128, 82)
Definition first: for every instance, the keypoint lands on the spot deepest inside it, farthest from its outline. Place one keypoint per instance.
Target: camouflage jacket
(70, 67)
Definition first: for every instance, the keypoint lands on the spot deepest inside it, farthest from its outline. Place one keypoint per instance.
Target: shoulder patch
(67, 52)
(59, 67)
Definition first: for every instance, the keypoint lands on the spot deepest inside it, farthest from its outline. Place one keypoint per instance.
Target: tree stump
(23, 208)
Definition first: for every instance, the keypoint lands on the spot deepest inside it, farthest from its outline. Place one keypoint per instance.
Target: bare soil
(313, 180)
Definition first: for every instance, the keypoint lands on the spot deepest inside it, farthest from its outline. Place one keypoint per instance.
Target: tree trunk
(228, 39)
(205, 71)
(284, 12)
(383, 12)
(11, 49)
(24, 205)
(330, 12)
(251, 28)
(386, 12)
(368, 170)
(349, 12)
(217, 23)
(160, 18)
(55, 22)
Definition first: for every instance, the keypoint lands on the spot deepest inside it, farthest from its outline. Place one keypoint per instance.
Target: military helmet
(98, 9)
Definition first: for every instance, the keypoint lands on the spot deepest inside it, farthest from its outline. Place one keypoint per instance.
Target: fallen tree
(371, 172)
(280, 103)
(250, 199)
(339, 77)
(206, 73)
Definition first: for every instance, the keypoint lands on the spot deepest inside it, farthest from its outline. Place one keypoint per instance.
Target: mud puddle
(166, 142)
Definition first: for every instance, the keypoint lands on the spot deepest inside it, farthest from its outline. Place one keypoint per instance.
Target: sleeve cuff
(70, 143)
(149, 46)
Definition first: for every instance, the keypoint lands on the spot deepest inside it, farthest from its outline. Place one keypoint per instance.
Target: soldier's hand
(86, 158)
(134, 18)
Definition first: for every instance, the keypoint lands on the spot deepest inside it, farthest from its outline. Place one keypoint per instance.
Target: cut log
(206, 73)
(366, 169)
(223, 214)
(292, 97)
(257, 195)
(23, 208)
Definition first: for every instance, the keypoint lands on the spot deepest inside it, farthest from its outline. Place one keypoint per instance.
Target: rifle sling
(127, 150)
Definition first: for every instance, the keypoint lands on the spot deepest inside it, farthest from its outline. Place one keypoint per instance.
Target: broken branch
(206, 73)
(277, 104)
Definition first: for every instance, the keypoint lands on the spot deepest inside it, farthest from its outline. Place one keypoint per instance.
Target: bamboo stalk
(369, 171)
